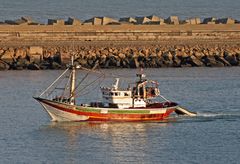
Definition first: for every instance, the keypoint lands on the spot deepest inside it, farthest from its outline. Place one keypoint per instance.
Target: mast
(72, 82)
(141, 88)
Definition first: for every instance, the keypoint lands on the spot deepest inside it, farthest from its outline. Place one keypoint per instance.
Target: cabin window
(111, 94)
(126, 94)
(116, 94)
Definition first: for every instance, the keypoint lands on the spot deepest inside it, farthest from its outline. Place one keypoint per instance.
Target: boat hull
(60, 115)
(64, 112)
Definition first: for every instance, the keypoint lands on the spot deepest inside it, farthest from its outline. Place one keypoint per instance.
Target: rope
(89, 70)
(78, 93)
(164, 98)
(53, 83)
(67, 84)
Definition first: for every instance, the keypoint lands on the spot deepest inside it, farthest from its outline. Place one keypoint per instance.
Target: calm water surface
(28, 136)
(84, 9)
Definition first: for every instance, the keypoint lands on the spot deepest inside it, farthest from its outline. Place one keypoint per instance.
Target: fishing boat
(137, 102)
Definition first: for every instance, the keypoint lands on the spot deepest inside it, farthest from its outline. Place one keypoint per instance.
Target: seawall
(128, 46)
(36, 33)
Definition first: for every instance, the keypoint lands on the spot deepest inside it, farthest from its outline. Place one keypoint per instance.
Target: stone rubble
(151, 56)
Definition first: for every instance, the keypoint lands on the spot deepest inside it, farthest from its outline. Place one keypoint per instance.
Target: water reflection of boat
(134, 103)
(111, 142)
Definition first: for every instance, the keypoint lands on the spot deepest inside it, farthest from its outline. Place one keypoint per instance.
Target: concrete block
(155, 23)
(36, 54)
(172, 20)
(27, 19)
(56, 22)
(128, 20)
(65, 58)
(16, 22)
(21, 21)
(8, 56)
(154, 18)
(93, 21)
(73, 21)
(100, 21)
(193, 21)
(210, 20)
(225, 21)
(107, 20)
(142, 20)
(35, 50)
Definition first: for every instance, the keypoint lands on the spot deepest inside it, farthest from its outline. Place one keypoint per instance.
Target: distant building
(225, 21)
(172, 20)
(100, 21)
(210, 20)
(72, 21)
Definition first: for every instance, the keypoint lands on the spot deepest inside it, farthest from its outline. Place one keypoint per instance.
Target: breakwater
(126, 46)
(122, 56)
(36, 34)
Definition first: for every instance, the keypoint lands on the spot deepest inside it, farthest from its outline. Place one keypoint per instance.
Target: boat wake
(206, 117)
(219, 115)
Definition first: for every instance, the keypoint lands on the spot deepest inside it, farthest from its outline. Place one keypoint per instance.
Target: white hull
(58, 115)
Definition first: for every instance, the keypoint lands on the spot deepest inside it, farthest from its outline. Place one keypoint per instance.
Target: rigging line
(78, 93)
(86, 69)
(82, 93)
(56, 86)
(118, 75)
(82, 80)
(164, 98)
(67, 84)
(53, 83)
(89, 70)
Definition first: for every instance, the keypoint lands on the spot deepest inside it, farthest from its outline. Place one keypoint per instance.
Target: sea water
(28, 136)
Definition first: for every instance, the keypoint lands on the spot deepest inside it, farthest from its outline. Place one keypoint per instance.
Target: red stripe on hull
(113, 117)
(131, 117)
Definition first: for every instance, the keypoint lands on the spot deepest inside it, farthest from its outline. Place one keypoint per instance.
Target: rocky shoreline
(40, 47)
(121, 56)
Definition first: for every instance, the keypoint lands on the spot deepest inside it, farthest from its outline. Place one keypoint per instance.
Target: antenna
(116, 84)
